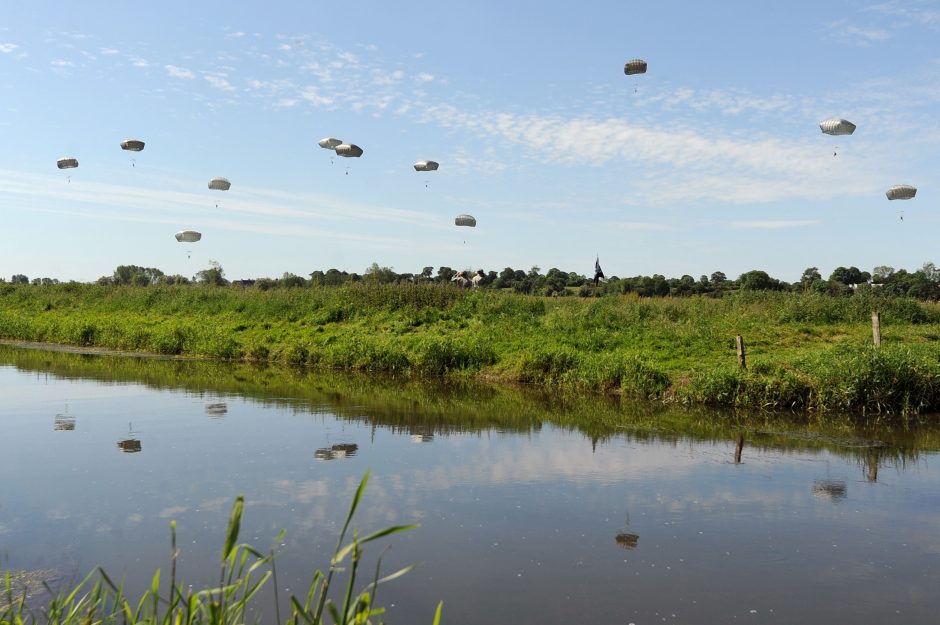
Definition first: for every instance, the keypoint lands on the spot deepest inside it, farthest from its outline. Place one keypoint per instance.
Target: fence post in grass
(739, 342)
(876, 328)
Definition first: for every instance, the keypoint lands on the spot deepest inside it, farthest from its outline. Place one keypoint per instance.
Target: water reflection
(217, 410)
(517, 498)
(831, 489)
(63, 423)
(335, 452)
(131, 444)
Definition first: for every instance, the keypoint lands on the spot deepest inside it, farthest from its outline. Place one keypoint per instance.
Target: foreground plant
(243, 573)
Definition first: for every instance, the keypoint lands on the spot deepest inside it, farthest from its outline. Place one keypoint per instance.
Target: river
(534, 507)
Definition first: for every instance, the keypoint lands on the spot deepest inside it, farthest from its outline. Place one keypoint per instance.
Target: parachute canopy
(329, 143)
(132, 145)
(836, 126)
(466, 220)
(188, 236)
(349, 150)
(901, 192)
(220, 184)
(634, 66)
(426, 166)
(67, 163)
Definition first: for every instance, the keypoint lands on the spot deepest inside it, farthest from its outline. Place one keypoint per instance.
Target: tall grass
(244, 571)
(666, 349)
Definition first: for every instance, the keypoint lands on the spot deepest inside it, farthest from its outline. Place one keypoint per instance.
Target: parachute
(349, 150)
(132, 145)
(329, 143)
(188, 236)
(634, 66)
(426, 166)
(465, 220)
(220, 184)
(67, 163)
(901, 192)
(836, 126)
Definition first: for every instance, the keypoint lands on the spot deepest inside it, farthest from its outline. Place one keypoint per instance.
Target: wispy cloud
(7, 48)
(61, 63)
(108, 51)
(136, 61)
(179, 72)
(219, 81)
(846, 32)
(924, 15)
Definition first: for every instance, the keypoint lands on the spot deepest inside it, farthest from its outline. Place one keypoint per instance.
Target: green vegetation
(244, 571)
(806, 350)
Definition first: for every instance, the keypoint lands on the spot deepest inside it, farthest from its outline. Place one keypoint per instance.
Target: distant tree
(444, 274)
(427, 274)
(757, 280)
(882, 274)
(718, 278)
(132, 274)
(810, 275)
(849, 276)
(214, 275)
(289, 280)
(19, 278)
(317, 278)
(380, 275)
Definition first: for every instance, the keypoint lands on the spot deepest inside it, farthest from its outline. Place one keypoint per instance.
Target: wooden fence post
(876, 328)
(738, 448)
(739, 342)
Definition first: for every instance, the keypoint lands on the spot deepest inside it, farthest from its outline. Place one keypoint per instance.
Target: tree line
(924, 283)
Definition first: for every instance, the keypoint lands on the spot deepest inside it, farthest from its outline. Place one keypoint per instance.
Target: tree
(849, 276)
(427, 274)
(444, 274)
(882, 274)
(380, 275)
(19, 278)
(214, 275)
(810, 275)
(757, 280)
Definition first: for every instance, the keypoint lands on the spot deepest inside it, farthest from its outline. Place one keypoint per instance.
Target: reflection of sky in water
(515, 527)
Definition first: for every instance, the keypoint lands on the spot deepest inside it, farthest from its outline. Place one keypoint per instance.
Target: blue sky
(712, 161)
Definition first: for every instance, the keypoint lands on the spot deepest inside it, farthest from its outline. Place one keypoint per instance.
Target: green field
(804, 351)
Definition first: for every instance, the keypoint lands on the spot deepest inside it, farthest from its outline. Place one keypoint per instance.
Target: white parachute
(901, 192)
(634, 66)
(426, 166)
(348, 150)
(329, 143)
(465, 220)
(220, 184)
(132, 145)
(67, 163)
(188, 236)
(837, 126)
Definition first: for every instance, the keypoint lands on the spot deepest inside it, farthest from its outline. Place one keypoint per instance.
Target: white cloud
(139, 62)
(770, 224)
(179, 72)
(108, 51)
(236, 35)
(219, 82)
(312, 95)
(61, 63)
(424, 77)
(7, 48)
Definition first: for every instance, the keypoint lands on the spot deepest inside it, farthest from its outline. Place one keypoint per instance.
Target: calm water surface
(532, 509)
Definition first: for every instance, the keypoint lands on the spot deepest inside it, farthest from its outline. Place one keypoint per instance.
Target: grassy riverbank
(804, 351)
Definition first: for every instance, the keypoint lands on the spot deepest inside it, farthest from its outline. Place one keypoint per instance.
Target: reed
(244, 571)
